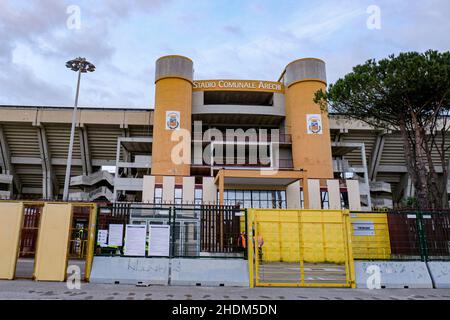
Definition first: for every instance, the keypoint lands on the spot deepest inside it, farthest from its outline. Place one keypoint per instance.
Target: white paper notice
(115, 235)
(135, 238)
(363, 228)
(159, 242)
(102, 238)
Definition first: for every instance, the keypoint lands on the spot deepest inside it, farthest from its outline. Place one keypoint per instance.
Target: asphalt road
(25, 289)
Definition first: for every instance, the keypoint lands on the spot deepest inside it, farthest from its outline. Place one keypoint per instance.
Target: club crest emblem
(314, 122)
(172, 120)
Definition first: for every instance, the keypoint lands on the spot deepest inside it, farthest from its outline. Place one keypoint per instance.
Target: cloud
(322, 21)
(25, 88)
(255, 39)
(36, 42)
(119, 9)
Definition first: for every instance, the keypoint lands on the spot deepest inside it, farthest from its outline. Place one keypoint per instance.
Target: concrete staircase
(90, 183)
(7, 180)
(5, 195)
(364, 191)
(381, 194)
(92, 179)
(92, 195)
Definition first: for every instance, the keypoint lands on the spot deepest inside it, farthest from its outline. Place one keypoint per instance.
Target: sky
(226, 39)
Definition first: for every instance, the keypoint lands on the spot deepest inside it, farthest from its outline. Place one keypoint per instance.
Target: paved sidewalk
(24, 289)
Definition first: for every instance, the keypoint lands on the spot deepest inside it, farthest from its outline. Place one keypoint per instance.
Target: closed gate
(39, 239)
(300, 248)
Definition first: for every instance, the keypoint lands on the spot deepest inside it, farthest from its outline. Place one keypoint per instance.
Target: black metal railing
(195, 230)
(234, 162)
(283, 138)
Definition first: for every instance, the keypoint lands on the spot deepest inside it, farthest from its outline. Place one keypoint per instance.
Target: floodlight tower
(80, 65)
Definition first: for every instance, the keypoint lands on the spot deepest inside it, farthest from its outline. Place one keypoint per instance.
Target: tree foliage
(408, 93)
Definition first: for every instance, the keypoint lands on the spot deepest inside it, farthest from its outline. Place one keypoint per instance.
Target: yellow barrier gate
(40, 239)
(300, 248)
(11, 215)
(52, 245)
(370, 236)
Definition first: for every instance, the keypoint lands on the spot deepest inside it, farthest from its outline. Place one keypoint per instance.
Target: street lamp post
(80, 65)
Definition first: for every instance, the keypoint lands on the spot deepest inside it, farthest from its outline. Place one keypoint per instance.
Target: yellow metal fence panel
(53, 239)
(301, 247)
(289, 234)
(314, 237)
(374, 242)
(321, 234)
(91, 241)
(11, 215)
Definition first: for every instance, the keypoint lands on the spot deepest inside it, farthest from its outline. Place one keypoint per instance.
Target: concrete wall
(276, 110)
(122, 270)
(440, 273)
(394, 274)
(162, 271)
(209, 272)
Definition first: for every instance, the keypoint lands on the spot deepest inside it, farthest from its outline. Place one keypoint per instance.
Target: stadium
(124, 154)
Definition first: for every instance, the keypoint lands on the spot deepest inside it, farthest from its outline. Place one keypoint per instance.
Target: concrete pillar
(334, 194)
(7, 165)
(188, 189)
(48, 177)
(209, 190)
(221, 189)
(148, 191)
(293, 196)
(315, 202)
(168, 189)
(173, 111)
(311, 145)
(85, 151)
(354, 198)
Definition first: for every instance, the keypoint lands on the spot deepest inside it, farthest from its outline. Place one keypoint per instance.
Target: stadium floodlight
(80, 65)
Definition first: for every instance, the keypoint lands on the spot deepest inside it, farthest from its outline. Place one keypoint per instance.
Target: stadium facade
(279, 137)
